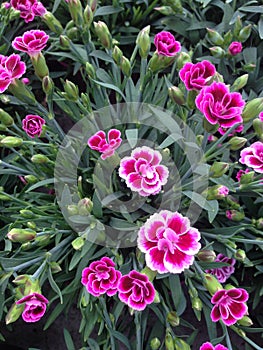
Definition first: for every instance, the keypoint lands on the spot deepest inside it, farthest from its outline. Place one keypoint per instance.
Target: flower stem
(138, 330)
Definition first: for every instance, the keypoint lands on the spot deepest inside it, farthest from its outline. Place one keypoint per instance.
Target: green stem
(39, 270)
(138, 330)
(10, 166)
(108, 321)
(228, 341)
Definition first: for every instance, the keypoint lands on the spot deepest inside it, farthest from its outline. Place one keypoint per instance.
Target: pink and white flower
(33, 124)
(169, 242)
(223, 273)
(209, 346)
(35, 307)
(143, 172)
(99, 143)
(230, 305)
(136, 290)
(166, 45)
(11, 68)
(235, 48)
(101, 277)
(32, 42)
(220, 106)
(252, 156)
(28, 9)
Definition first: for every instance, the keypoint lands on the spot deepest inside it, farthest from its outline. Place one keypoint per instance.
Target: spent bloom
(169, 242)
(166, 45)
(101, 277)
(33, 124)
(252, 156)
(11, 68)
(99, 143)
(28, 9)
(223, 273)
(35, 307)
(235, 48)
(143, 172)
(229, 305)
(136, 290)
(32, 42)
(196, 76)
(219, 105)
(209, 346)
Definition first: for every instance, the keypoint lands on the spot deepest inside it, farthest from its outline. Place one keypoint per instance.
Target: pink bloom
(35, 307)
(196, 76)
(209, 346)
(25, 81)
(136, 290)
(143, 172)
(32, 42)
(28, 9)
(220, 106)
(239, 128)
(252, 156)
(240, 173)
(223, 191)
(99, 143)
(166, 44)
(101, 277)
(229, 305)
(11, 68)
(32, 124)
(261, 116)
(235, 48)
(169, 242)
(223, 273)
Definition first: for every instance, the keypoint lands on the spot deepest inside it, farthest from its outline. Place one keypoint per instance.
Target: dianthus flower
(35, 307)
(223, 273)
(99, 143)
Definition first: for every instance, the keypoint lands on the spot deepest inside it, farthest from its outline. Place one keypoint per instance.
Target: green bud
(47, 85)
(235, 215)
(93, 4)
(125, 66)
(215, 192)
(156, 299)
(218, 169)
(6, 118)
(228, 38)
(244, 33)
(40, 65)
(206, 255)
(160, 62)
(90, 70)
(21, 91)
(64, 41)
(11, 141)
(240, 82)
(247, 178)
(14, 313)
(249, 67)
(217, 51)
(182, 59)
(55, 267)
(20, 280)
(28, 214)
(197, 304)
(176, 95)
(42, 240)
(3, 127)
(103, 34)
(31, 179)
(176, 5)
(39, 159)
(211, 128)
(155, 343)
(32, 225)
(20, 235)
(88, 16)
(76, 12)
(149, 273)
(180, 344)
(190, 100)
(235, 143)
(71, 91)
(214, 37)
(240, 255)
(252, 109)
(53, 24)
(169, 343)
(72, 209)
(85, 206)
(117, 55)
(259, 223)
(143, 41)
(211, 284)
(258, 127)
(73, 33)
(245, 321)
(173, 319)
(237, 27)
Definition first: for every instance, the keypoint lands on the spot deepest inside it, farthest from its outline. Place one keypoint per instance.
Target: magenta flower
(223, 273)
(32, 42)
(136, 290)
(209, 346)
(229, 305)
(239, 128)
(220, 106)
(196, 76)
(11, 68)
(101, 277)
(35, 307)
(28, 9)
(166, 44)
(143, 172)
(33, 124)
(261, 116)
(252, 156)
(235, 48)
(240, 173)
(169, 242)
(99, 143)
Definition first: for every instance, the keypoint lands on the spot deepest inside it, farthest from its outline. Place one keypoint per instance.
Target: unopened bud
(117, 55)
(245, 321)
(180, 344)
(165, 10)
(214, 37)
(20, 235)
(71, 91)
(72, 209)
(47, 85)
(159, 62)
(169, 343)
(103, 34)
(25, 213)
(125, 66)
(217, 51)
(244, 33)
(176, 5)
(249, 67)
(258, 127)
(14, 313)
(76, 12)
(53, 24)
(236, 142)
(176, 95)
(252, 109)
(206, 255)
(143, 42)
(32, 225)
(22, 279)
(240, 255)
(93, 4)
(6, 118)
(211, 284)
(90, 70)
(11, 141)
(240, 82)
(155, 344)
(237, 27)
(64, 41)
(78, 243)
(216, 192)
(21, 91)
(40, 66)
(182, 59)
(218, 169)
(235, 215)
(259, 223)
(55, 267)
(173, 319)
(197, 304)
(73, 33)
(85, 206)
(31, 179)
(88, 16)
(39, 159)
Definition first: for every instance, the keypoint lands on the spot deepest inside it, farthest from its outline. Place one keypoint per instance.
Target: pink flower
(11, 68)
(166, 44)
(169, 242)
(220, 106)
(209, 346)
(223, 273)
(101, 277)
(235, 48)
(239, 128)
(252, 156)
(196, 76)
(25, 81)
(28, 9)
(229, 305)
(223, 191)
(136, 290)
(35, 307)
(261, 116)
(32, 42)
(143, 172)
(240, 173)
(32, 124)
(99, 143)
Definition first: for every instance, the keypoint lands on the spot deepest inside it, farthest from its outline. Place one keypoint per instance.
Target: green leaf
(107, 10)
(255, 9)
(170, 140)
(40, 184)
(177, 294)
(101, 55)
(54, 286)
(132, 137)
(121, 337)
(109, 86)
(56, 5)
(260, 27)
(213, 212)
(68, 340)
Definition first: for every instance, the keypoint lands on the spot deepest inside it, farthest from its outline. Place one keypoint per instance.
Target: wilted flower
(32, 42)
(209, 346)
(196, 76)
(252, 156)
(229, 305)
(223, 273)
(99, 143)
(101, 277)
(11, 68)
(136, 290)
(33, 124)
(166, 44)
(235, 48)
(143, 172)
(169, 242)
(35, 307)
